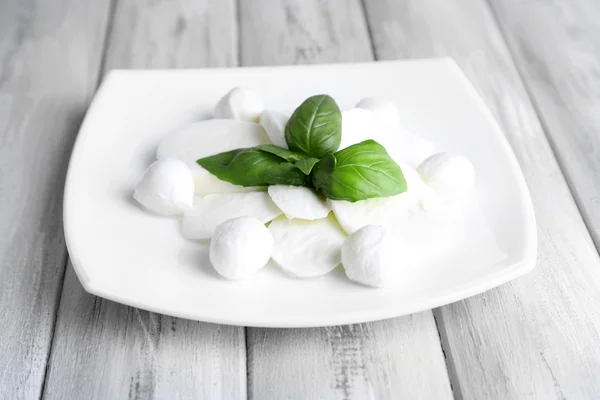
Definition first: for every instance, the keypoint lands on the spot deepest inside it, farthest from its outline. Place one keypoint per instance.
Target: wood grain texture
(283, 32)
(399, 358)
(559, 59)
(393, 359)
(538, 336)
(47, 77)
(104, 350)
(173, 34)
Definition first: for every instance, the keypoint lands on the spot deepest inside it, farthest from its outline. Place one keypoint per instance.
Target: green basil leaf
(284, 174)
(306, 165)
(253, 167)
(280, 152)
(321, 173)
(315, 128)
(303, 164)
(359, 172)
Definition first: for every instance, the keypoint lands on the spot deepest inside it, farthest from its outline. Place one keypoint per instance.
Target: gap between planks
(118, 325)
(450, 370)
(105, 43)
(380, 359)
(571, 184)
(533, 336)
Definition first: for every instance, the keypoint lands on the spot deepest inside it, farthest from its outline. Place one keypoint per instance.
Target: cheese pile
(307, 235)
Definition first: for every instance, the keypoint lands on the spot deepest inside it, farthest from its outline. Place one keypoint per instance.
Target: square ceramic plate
(124, 254)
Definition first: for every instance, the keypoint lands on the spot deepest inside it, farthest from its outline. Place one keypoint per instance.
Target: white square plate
(124, 254)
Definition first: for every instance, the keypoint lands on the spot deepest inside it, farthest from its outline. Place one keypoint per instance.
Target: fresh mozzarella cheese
(384, 211)
(240, 103)
(376, 118)
(378, 211)
(447, 173)
(299, 202)
(404, 146)
(368, 256)
(307, 248)
(384, 110)
(213, 209)
(360, 124)
(167, 187)
(240, 247)
(274, 123)
(357, 125)
(207, 138)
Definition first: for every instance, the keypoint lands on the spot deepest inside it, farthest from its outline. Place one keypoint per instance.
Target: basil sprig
(315, 128)
(281, 152)
(253, 167)
(306, 165)
(313, 135)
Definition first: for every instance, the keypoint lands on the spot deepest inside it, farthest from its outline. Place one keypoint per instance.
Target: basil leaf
(306, 165)
(280, 152)
(303, 164)
(253, 167)
(322, 171)
(359, 172)
(284, 174)
(315, 128)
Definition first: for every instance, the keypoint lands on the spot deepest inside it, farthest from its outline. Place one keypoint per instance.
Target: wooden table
(535, 62)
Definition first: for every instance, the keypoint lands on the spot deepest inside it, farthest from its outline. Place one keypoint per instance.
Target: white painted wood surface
(394, 359)
(398, 358)
(559, 59)
(104, 350)
(539, 336)
(173, 34)
(284, 32)
(47, 78)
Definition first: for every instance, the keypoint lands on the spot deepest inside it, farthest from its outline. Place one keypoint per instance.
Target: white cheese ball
(240, 247)
(367, 256)
(274, 123)
(167, 187)
(447, 173)
(241, 104)
(384, 110)
(299, 202)
(357, 125)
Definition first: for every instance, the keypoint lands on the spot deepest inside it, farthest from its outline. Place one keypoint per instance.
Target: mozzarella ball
(384, 110)
(241, 104)
(447, 173)
(307, 249)
(240, 247)
(274, 123)
(367, 256)
(299, 202)
(357, 125)
(167, 187)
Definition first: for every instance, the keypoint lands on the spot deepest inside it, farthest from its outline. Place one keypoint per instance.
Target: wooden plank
(539, 336)
(104, 350)
(277, 32)
(173, 34)
(47, 77)
(399, 358)
(559, 60)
